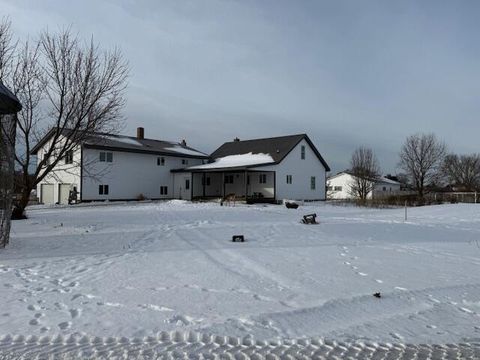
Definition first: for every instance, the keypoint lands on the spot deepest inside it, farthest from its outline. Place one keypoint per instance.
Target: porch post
(246, 184)
(275, 185)
(204, 183)
(223, 180)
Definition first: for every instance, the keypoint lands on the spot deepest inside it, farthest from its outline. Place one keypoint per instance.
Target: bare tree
(70, 90)
(421, 157)
(365, 171)
(463, 170)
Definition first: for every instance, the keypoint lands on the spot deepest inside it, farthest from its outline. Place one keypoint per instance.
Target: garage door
(64, 190)
(47, 194)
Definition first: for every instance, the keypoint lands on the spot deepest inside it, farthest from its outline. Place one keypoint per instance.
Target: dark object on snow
(291, 205)
(236, 238)
(18, 213)
(9, 103)
(310, 219)
(377, 295)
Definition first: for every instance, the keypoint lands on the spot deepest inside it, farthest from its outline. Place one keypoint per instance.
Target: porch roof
(232, 163)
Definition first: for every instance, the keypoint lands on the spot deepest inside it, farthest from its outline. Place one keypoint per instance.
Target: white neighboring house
(113, 167)
(339, 187)
(270, 169)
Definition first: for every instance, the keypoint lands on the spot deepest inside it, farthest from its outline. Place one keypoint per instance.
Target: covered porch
(245, 184)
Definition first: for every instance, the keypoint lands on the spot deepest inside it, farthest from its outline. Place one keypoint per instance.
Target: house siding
(301, 171)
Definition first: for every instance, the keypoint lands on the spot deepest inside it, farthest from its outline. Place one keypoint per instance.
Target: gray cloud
(348, 73)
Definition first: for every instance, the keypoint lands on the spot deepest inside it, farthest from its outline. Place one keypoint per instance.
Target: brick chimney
(140, 133)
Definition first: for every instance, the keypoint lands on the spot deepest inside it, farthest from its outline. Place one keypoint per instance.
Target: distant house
(339, 187)
(115, 167)
(270, 169)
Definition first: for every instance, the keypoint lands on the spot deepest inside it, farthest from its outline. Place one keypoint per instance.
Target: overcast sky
(347, 73)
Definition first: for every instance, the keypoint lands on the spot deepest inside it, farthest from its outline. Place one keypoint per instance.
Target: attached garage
(63, 192)
(47, 194)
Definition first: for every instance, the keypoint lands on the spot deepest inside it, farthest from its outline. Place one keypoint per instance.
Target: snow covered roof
(276, 147)
(235, 161)
(133, 144)
(380, 180)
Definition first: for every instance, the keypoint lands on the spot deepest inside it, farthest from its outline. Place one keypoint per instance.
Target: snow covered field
(134, 270)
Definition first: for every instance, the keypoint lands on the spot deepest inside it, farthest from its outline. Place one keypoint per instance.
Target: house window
(46, 159)
(106, 156)
(69, 157)
(312, 183)
(163, 190)
(329, 188)
(337, 188)
(263, 178)
(102, 189)
(289, 179)
(187, 184)
(184, 162)
(228, 179)
(302, 153)
(160, 161)
(248, 179)
(384, 188)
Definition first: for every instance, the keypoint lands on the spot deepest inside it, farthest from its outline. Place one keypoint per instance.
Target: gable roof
(131, 144)
(9, 103)
(380, 180)
(277, 147)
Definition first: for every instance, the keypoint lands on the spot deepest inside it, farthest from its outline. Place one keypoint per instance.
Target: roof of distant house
(379, 180)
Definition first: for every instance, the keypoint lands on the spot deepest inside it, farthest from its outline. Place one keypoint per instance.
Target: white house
(115, 167)
(270, 169)
(339, 187)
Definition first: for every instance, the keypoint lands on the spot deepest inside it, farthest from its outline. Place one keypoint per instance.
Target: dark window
(337, 188)
(312, 183)
(109, 157)
(384, 188)
(163, 190)
(187, 184)
(302, 155)
(184, 162)
(102, 156)
(248, 179)
(228, 179)
(263, 178)
(103, 189)
(161, 161)
(69, 157)
(289, 179)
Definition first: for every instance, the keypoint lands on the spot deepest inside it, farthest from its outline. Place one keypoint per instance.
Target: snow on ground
(133, 270)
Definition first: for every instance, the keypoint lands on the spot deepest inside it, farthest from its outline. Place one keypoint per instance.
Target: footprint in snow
(465, 310)
(346, 263)
(74, 313)
(396, 336)
(400, 288)
(64, 325)
(361, 273)
(379, 281)
(431, 326)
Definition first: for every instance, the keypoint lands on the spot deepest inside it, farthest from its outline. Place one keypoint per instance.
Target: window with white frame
(289, 179)
(102, 189)
(163, 190)
(302, 152)
(160, 161)
(263, 179)
(312, 183)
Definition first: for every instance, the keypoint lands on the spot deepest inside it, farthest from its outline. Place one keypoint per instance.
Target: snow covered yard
(132, 270)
